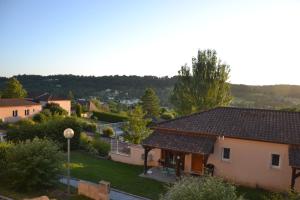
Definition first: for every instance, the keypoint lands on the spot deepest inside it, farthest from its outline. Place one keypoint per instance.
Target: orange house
(48, 98)
(12, 110)
(251, 147)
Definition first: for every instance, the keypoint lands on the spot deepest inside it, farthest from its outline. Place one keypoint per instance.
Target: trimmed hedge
(109, 117)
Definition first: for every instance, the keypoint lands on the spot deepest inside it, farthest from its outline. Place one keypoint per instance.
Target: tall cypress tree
(150, 103)
(205, 86)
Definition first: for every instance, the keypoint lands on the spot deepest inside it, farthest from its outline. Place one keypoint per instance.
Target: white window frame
(279, 164)
(222, 154)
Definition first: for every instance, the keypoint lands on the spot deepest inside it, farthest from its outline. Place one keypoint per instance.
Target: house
(251, 147)
(12, 110)
(48, 98)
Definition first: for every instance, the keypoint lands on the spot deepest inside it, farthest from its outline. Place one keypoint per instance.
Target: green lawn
(121, 176)
(126, 177)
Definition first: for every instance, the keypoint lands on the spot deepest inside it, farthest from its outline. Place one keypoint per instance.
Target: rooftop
(16, 102)
(243, 123)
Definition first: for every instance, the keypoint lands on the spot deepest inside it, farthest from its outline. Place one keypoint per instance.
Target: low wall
(136, 156)
(94, 191)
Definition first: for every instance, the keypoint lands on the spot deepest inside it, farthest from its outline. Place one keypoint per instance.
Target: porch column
(294, 176)
(147, 149)
(178, 159)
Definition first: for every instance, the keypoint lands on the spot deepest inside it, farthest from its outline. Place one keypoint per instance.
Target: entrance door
(197, 163)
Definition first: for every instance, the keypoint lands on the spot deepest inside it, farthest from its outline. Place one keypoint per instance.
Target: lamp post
(68, 134)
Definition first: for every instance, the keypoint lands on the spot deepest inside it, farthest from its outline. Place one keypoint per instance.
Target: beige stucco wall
(65, 104)
(250, 164)
(136, 156)
(6, 113)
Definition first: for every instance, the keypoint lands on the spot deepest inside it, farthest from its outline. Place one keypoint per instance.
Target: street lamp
(68, 134)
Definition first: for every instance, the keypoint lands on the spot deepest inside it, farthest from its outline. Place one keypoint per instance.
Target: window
(15, 113)
(226, 154)
(27, 112)
(276, 160)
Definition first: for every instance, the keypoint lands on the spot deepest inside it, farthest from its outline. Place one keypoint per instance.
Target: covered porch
(180, 153)
(294, 161)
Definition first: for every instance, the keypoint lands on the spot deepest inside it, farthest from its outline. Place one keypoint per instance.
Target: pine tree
(150, 103)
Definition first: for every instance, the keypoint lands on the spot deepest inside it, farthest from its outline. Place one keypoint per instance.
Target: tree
(13, 89)
(55, 109)
(150, 103)
(78, 110)
(205, 87)
(33, 165)
(136, 127)
(201, 188)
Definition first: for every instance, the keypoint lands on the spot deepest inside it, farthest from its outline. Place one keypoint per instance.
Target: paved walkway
(114, 194)
(156, 174)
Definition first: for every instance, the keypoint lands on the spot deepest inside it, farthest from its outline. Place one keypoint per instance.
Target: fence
(94, 191)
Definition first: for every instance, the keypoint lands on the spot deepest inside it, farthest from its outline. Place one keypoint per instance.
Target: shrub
(102, 147)
(108, 132)
(203, 188)
(109, 117)
(33, 165)
(4, 146)
(167, 116)
(52, 129)
(55, 109)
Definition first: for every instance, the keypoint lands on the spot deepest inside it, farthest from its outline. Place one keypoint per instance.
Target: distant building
(48, 98)
(12, 110)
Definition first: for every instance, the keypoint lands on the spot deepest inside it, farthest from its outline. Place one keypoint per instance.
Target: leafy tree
(205, 87)
(136, 127)
(78, 110)
(33, 165)
(55, 109)
(203, 188)
(13, 89)
(150, 103)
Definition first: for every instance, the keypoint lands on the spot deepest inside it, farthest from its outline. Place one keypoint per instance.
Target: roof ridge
(257, 109)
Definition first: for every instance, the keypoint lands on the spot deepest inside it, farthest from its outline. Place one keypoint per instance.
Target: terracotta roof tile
(253, 124)
(178, 142)
(16, 102)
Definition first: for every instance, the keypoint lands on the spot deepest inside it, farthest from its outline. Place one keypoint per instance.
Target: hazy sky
(260, 40)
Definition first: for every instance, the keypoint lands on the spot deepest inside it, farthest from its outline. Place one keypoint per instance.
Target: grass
(121, 176)
(59, 193)
(253, 193)
(126, 177)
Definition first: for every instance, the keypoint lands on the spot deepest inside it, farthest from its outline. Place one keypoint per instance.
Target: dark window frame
(226, 153)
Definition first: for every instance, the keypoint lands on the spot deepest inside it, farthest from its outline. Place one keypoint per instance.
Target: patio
(157, 173)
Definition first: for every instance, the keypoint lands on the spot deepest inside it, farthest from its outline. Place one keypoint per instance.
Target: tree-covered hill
(132, 87)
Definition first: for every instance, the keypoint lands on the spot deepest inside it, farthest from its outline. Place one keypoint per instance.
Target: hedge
(109, 117)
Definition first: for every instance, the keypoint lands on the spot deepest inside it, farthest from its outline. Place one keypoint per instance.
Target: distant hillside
(131, 87)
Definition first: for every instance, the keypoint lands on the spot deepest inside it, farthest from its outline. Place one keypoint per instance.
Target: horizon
(259, 40)
(137, 76)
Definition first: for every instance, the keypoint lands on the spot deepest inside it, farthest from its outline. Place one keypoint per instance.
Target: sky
(259, 39)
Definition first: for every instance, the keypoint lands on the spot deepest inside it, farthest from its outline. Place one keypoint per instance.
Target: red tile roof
(252, 124)
(16, 102)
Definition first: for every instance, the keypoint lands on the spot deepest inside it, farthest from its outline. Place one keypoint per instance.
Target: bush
(86, 143)
(109, 117)
(167, 116)
(52, 129)
(102, 147)
(33, 165)
(4, 146)
(55, 109)
(202, 188)
(108, 132)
